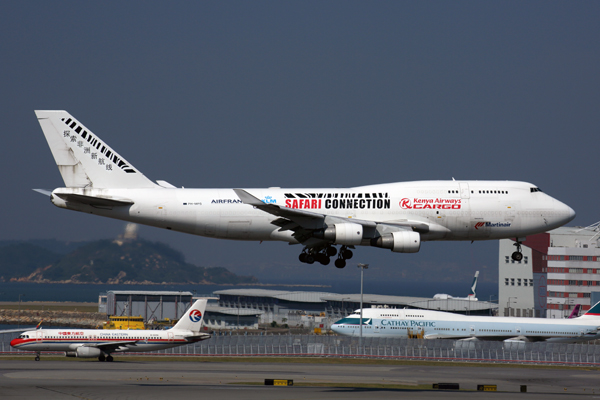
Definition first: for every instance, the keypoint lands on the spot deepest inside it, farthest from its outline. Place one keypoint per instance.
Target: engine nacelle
(399, 242)
(85, 352)
(348, 234)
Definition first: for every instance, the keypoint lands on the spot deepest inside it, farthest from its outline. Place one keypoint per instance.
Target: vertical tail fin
(83, 159)
(593, 311)
(473, 294)
(192, 319)
(575, 312)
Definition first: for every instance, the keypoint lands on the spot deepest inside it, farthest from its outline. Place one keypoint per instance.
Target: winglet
(247, 198)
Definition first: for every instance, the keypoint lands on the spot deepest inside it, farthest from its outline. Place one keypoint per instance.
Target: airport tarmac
(153, 379)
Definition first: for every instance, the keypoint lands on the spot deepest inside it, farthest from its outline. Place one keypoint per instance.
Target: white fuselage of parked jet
(396, 216)
(428, 324)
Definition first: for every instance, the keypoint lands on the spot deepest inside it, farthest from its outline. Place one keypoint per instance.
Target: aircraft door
(38, 335)
(170, 336)
(472, 330)
(465, 193)
(375, 327)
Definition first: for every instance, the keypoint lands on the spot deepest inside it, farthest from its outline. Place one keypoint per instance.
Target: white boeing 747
(428, 324)
(395, 216)
(101, 343)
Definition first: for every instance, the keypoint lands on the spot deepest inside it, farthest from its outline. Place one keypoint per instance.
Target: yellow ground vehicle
(115, 322)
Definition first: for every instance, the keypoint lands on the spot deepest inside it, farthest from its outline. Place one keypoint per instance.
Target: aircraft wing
(114, 346)
(311, 220)
(306, 219)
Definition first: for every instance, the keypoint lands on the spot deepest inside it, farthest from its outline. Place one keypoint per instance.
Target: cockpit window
(535, 189)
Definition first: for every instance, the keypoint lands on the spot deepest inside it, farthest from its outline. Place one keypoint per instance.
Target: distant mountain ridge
(106, 261)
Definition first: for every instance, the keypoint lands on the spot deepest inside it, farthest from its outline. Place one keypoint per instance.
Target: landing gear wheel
(302, 257)
(340, 263)
(347, 254)
(324, 260)
(37, 357)
(109, 358)
(101, 358)
(517, 255)
(310, 259)
(331, 251)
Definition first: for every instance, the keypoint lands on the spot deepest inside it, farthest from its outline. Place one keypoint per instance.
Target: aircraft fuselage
(446, 210)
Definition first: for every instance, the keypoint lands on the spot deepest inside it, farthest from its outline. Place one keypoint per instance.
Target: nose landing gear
(517, 255)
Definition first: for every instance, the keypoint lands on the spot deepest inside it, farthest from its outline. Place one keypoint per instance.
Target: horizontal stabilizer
(94, 201)
(43, 191)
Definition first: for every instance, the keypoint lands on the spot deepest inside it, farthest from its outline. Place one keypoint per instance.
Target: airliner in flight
(394, 216)
(101, 343)
(428, 324)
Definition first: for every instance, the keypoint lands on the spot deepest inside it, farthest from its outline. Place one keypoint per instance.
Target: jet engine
(84, 352)
(399, 242)
(348, 234)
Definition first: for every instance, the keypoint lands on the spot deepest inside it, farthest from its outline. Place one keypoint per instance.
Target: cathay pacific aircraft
(394, 216)
(101, 343)
(427, 324)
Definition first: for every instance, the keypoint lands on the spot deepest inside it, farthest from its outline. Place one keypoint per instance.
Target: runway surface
(153, 379)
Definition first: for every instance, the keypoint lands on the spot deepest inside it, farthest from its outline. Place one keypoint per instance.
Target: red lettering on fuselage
(303, 203)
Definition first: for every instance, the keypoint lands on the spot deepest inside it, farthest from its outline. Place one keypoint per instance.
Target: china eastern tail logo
(195, 316)
(437, 203)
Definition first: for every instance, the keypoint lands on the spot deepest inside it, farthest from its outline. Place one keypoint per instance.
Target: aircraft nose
(571, 213)
(567, 212)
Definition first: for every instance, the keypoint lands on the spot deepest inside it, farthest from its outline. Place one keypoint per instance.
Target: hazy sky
(303, 94)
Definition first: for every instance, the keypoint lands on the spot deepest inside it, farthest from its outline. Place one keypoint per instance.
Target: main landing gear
(517, 255)
(108, 358)
(309, 256)
(345, 254)
(37, 356)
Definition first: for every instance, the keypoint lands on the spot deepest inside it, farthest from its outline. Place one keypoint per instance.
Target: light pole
(508, 304)
(362, 270)
(19, 320)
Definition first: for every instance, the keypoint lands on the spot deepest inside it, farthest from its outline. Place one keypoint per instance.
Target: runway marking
(59, 392)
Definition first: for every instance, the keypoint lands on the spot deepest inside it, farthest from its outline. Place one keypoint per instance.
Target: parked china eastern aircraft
(427, 324)
(101, 343)
(472, 295)
(395, 216)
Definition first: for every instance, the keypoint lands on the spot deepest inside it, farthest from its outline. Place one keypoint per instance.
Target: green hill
(106, 261)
